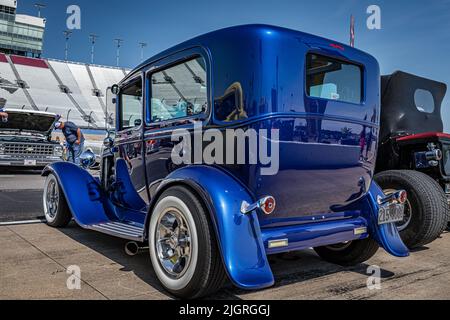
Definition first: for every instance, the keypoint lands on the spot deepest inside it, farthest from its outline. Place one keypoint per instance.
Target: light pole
(143, 45)
(93, 38)
(67, 34)
(119, 43)
(39, 7)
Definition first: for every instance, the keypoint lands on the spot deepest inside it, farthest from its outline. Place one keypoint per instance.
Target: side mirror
(115, 89)
(111, 134)
(108, 142)
(87, 159)
(137, 122)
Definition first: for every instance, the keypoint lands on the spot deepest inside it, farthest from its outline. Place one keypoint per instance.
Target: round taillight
(267, 205)
(403, 196)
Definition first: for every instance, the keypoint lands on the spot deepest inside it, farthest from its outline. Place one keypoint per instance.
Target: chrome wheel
(173, 243)
(51, 199)
(182, 245)
(402, 225)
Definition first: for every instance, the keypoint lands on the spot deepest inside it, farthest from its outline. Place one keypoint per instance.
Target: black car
(414, 154)
(25, 140)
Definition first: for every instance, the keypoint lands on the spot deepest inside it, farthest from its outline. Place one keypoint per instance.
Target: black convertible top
(400, 113)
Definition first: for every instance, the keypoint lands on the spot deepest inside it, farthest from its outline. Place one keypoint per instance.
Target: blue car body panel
(324, 188)
(124, 191)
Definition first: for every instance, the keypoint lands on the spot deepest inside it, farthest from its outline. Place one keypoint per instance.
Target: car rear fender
(386, 235)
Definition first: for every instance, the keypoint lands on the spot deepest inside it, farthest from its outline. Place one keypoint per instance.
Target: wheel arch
(85, 198)
(192, 187)
(238, 236)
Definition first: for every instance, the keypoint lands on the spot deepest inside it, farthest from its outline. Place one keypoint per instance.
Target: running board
(120, 230)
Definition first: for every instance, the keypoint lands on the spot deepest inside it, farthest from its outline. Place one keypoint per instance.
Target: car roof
(214, 39)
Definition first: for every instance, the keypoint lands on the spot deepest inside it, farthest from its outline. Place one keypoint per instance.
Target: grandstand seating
(63, 71)
(103, 78)
(86, 86)
(8, 86)
(70, 89)
(43, 87)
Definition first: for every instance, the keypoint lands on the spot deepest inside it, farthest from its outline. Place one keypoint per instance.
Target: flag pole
(352, 31)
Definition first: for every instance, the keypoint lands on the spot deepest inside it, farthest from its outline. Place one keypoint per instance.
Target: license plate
(29, 163)
(391, 213)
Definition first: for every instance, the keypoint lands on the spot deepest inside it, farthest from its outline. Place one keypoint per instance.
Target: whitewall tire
(56, 210)
(183, 247)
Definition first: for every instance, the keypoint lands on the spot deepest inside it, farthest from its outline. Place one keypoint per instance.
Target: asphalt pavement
(21, 195)
(36, 261)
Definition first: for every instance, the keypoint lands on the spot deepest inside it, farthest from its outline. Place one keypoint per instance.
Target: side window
(331, 79)
(131, 105)
(179, 91)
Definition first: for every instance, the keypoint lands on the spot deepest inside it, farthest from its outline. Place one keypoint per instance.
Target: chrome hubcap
(402, 225)
(173, 243)
(52, 198)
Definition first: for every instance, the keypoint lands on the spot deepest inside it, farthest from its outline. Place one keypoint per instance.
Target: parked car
(414, 154)
(205, 222)
(25, 140)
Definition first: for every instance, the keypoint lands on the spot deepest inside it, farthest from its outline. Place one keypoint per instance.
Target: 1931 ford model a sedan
(205, 220)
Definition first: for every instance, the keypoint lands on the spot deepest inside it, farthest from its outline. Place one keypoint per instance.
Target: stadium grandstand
(75, 91)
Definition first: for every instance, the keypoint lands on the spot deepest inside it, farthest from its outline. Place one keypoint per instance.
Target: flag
(352, 31)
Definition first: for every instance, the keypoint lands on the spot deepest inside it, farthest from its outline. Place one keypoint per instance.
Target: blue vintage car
(284, 129)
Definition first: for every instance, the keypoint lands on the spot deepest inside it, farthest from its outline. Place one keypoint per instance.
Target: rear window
(424, 101)
(332, 79)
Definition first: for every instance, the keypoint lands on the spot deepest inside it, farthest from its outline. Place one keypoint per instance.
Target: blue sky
(415, 35)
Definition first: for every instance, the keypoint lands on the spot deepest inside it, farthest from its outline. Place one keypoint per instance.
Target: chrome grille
(20, 149)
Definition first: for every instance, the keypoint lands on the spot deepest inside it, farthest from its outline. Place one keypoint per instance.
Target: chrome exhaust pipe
(133, 248)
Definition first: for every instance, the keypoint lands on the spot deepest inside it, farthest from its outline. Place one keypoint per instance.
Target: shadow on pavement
(301, 266)
(20, 205)
(113, 249)
(295, 267)
(19, 171)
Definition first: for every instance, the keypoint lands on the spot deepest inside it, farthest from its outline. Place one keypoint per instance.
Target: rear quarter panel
(321, 171)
